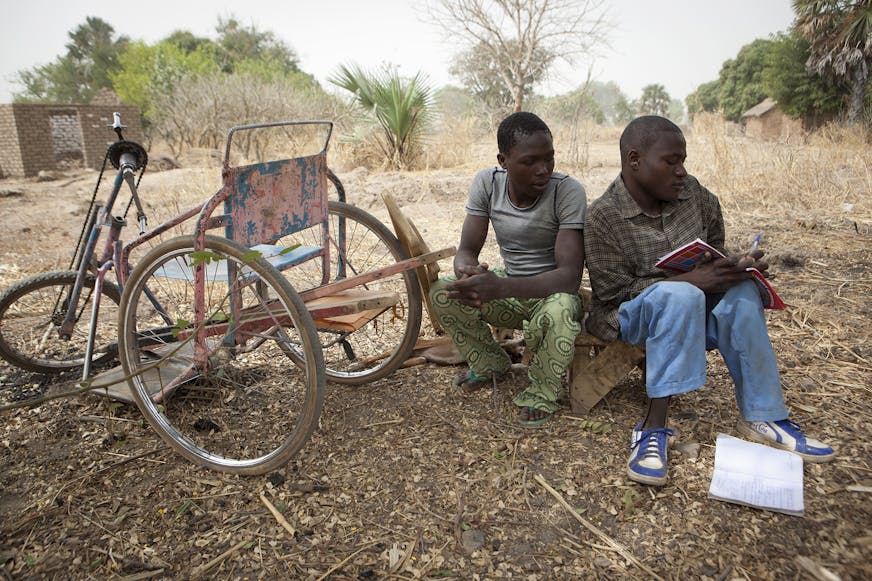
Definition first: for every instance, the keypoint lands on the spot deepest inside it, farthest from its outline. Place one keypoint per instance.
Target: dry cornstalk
(278, 516)
(621, 550)
(197, 571)
(348, 558)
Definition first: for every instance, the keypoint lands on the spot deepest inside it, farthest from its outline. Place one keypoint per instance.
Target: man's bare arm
(569, 256)
(472, 237)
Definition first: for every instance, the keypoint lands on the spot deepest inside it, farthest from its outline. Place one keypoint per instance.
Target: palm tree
(401, 107)
(655, 100)
(840, 34)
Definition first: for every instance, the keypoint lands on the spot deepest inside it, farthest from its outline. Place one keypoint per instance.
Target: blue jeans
(676, 323)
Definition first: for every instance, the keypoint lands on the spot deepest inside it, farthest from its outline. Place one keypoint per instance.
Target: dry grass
(405, 479)
(832, 169)
(460, 142)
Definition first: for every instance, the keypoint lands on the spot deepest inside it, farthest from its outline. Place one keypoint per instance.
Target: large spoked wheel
(360, 243)
(32, 311)
(223, 393)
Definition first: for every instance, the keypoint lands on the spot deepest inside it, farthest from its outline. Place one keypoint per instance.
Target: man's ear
(501, 159)
(633, 158)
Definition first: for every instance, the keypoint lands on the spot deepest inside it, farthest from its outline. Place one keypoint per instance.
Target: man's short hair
(518, 125)
(642, 132)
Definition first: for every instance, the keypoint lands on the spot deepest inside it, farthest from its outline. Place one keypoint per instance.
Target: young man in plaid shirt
(652, 208)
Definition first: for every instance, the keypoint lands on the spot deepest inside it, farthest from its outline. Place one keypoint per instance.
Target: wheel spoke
(230, 396)
(381, 340)
(29, 315)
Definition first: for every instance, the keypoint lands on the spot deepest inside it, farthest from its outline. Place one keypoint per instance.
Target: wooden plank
(357, 304)
(350, 310)
(168, 370)
(594, 377)
(351, 303)
(348, 323)
(255, 319)
(363, 278)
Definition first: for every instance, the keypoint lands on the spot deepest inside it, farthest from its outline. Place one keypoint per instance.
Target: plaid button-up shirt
(622, 244)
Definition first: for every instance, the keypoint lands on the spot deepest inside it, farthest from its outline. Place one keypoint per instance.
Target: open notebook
(756, 475)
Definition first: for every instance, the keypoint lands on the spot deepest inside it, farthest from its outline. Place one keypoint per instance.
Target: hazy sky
(678, 43)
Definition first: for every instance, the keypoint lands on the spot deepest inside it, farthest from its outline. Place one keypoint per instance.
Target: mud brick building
(765, 121)
(35, 137)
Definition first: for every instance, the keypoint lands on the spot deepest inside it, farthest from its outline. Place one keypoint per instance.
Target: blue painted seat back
(275, 199)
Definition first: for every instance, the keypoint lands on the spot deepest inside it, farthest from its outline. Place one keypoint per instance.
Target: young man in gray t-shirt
(537, 216)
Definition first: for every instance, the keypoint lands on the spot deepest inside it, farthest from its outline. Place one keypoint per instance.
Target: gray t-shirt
(526, 236)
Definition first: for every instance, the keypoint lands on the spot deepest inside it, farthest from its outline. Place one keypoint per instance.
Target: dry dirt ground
(406, 479)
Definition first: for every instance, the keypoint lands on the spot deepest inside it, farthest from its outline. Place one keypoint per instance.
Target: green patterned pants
(550, 326)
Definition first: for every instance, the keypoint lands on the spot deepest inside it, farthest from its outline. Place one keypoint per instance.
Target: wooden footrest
(351, 309)
(179, 361)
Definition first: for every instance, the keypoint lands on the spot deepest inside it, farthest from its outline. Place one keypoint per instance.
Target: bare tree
(523, 38)
(200, 110)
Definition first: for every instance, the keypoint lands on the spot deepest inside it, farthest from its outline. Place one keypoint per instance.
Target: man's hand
(475, 288)
(466, 270)
(718, 275)
(757, 262)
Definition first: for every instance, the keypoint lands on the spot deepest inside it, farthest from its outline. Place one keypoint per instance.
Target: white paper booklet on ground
(757, 475)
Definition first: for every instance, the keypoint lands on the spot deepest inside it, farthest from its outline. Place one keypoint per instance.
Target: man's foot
(468, 382)
(530, 417)
(648, 463)
(788, 436)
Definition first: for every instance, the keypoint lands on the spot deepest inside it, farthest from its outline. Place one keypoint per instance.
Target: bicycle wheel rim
(240, 405)
(384, 342)
(30, 315)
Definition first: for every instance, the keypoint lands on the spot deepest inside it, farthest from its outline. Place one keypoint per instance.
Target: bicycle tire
(383, 344)
(29, 339)
(250, 409)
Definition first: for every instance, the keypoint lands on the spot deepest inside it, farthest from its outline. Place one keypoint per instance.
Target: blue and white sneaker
(788, 436)
(648, 463)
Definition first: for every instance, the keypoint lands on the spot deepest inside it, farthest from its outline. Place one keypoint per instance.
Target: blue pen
(755, 243)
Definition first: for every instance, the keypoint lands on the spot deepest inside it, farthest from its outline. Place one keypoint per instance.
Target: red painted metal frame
(265, 201)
